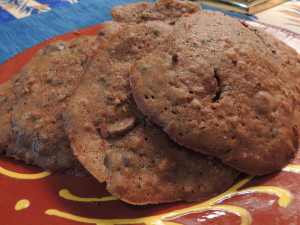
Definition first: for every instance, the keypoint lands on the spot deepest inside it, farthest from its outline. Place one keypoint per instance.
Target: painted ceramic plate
(31, 196)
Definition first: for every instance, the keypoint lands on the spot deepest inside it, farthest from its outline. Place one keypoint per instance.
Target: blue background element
(5, 16)
(19, 35)
(54, 3)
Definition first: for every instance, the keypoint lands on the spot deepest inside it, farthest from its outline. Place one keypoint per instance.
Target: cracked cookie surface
(217, 87)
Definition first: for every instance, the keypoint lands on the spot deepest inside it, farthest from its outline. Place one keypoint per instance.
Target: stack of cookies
(169, 103)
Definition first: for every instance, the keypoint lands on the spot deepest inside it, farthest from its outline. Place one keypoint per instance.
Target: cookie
(42, 92)
(145, 166)
(119, 146)
(162, 10)
(218, 88)
(6, 106)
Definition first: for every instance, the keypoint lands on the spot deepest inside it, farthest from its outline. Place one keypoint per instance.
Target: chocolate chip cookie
(217, 87)
(120, 146)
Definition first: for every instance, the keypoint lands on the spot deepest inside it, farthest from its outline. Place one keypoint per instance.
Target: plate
(31, 196)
